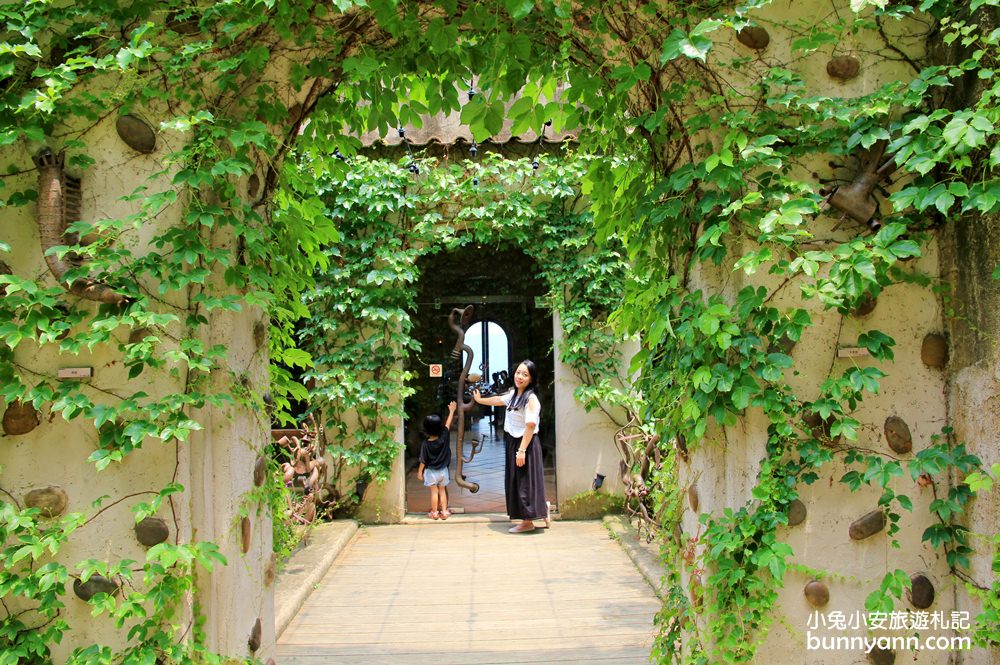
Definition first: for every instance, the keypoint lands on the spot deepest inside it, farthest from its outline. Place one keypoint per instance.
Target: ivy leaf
(519, 8)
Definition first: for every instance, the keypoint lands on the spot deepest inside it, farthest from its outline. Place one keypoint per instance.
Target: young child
(435, 457)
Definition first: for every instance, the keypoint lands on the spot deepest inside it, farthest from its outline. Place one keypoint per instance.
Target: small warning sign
(436, 371)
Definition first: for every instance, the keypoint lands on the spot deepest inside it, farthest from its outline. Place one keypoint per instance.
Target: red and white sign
(436, 371)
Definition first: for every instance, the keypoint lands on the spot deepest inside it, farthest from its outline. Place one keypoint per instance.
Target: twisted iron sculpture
(458, 319)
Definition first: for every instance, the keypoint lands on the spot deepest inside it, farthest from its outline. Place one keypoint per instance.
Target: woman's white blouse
(514, 421)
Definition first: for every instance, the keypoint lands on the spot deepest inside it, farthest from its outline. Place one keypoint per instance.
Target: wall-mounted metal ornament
(136, 133)
(58, 206)
(152, 531)
(94, 585)
(817, 593)
(897, 434)
(245, 531)
(934, 350)
(20, 418)
(51, 501)
(921, 592)
(796, 512)
(867, 525)
(754, 37)
(855, 198)
(255, 635)
(843, 67)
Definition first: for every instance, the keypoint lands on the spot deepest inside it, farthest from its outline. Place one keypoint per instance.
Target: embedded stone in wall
(152, 531)
(94, 585)
(138, 335)
(817, 593)
(259, 334)
(796, 512)
(921, 592)
(781, 345)
(692, 493)
(259, 471)
(754, 37)
(20, 418)
(270, 569)
(253, 184)
(843, 67)
(880, 656)
(867, 525)
(934, 350)
(51, 501)
(245, 534)
(865, 306)
(136, 133)
(695, 591)
(820, 428)
(897, 434)
(255, 635)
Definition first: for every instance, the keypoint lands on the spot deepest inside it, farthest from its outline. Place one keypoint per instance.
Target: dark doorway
(503, 286)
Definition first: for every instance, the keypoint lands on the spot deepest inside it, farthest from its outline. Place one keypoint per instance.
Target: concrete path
(446, 593)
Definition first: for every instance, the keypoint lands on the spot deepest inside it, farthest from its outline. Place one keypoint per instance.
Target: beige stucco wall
(215, 466)
(585, 442)
(724, 467)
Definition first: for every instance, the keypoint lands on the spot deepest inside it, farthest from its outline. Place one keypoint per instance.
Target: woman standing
(524, 474)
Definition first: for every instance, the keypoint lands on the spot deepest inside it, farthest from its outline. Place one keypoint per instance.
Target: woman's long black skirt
(525, 485)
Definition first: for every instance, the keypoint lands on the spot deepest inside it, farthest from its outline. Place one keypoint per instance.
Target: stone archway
(503, 284)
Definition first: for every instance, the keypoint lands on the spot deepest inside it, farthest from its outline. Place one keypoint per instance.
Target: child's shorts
(434, 477)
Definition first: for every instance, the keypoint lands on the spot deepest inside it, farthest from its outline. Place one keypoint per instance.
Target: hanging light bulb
(402, 132)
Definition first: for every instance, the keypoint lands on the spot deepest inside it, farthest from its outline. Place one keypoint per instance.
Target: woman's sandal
(434, 515)
(445, 514)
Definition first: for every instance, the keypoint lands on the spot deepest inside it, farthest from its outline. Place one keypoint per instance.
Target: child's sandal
(445, 514)
(434, 515)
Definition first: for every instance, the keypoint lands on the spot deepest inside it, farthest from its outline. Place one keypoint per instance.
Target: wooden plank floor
(446, 594)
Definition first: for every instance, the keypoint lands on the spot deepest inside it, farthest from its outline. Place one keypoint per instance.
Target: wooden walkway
(470, 593)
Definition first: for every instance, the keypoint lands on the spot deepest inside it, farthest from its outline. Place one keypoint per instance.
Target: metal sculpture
(58, 206)
(458, 320)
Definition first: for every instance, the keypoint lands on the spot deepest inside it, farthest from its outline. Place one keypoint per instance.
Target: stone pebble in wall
(865, 306)
(259, 471)
(152, 531)
(136, 133)
(692, 493)
(843, 67)
(255, 635)
(817, 593)
(934, 350)
(51, 501)
(921, 592)
(879, 656)
(20, 418)
(271, 569)
(245, 534)
(94, 585)
(897, 434)
(796, 512)
(754, 37)
(867, 525)
(820, 428)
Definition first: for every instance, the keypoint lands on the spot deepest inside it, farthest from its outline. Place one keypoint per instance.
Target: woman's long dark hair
(518, 401)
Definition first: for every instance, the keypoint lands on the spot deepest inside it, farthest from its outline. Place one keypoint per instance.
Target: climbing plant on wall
(708, 160)
(388, 216)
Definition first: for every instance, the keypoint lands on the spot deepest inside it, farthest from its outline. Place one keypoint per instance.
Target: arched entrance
(507, 326)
